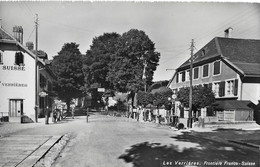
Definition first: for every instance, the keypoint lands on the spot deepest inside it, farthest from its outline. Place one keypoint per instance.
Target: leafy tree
(157, 98)
(134, 50)
(67, 66)
(144, 98)
(201, 96)
(161, 96)
(97, 59)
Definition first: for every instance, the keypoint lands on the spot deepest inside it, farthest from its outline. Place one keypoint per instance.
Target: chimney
(29, 45)
(18, 33)
(228, 32)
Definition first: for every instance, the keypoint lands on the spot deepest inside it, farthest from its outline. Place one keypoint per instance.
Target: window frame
(214, 88)
(203, 70)
(187, 75)
(220, 65)
(16, 59)
(194, 73)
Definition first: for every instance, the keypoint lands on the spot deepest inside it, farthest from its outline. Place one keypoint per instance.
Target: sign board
(174, 96)
(42, 94)
(101, 89)
(220, 115)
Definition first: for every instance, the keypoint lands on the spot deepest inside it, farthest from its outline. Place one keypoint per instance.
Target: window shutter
(222, 89)
(210, 86)
(16, 61)
(183, 76)
(19, 58)
(236, 87)
(177, 77)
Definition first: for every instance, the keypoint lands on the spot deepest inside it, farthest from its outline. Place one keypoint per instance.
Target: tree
(97, 60)
(161, 96)
(134, 50)
(201, 96)
(67, 66)
(144, 98)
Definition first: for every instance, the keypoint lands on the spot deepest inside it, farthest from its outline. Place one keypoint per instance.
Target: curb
(48, 159)
(246, 144)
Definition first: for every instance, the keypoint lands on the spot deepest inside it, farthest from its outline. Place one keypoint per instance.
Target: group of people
(57, 115)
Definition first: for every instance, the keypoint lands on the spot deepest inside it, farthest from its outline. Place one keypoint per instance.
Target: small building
(233, 110)
(22, 83)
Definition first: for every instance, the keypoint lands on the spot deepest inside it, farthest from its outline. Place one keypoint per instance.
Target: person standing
(54, 115)
(72, 111)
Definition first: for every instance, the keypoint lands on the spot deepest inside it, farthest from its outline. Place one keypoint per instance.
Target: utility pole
(190, 96)
(145, 65)
(36, 71)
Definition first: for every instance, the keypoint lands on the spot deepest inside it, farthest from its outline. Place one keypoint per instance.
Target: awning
(232, 105)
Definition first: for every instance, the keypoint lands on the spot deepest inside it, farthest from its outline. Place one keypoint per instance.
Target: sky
(170, 25)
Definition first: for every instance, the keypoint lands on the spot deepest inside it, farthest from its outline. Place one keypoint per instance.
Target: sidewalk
(10, 128)
(23, 150)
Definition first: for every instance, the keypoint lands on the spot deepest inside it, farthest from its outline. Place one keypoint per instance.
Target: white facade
(251, 91)
(17, 86)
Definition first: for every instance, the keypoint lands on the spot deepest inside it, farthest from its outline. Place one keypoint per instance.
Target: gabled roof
(6, 38)
(4, 35)
(242, 54)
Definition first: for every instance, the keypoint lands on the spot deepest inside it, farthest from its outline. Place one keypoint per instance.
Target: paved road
(118, 142)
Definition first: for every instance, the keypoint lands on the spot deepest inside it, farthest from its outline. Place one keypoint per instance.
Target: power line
(67, 26)
(31, 34)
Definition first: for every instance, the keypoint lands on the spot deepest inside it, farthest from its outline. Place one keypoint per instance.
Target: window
(19, 58)
(196, 73)
(230, 87)
(177, 77)
(1, 57)
(216, 67)
(216, 88)
(205, 70)
(187, 75)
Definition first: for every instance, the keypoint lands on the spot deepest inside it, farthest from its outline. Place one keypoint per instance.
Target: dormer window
(1, 57)
(19, 59)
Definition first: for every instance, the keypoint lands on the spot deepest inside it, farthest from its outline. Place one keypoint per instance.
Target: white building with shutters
(229, 66)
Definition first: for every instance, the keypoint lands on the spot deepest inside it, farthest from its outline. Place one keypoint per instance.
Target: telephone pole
(36, 70)
(190, 95)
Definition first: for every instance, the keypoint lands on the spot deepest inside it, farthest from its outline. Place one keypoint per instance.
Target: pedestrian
(72, 112)
(55, 116)
(47, 115)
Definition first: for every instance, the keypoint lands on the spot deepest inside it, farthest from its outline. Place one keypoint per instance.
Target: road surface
(120, 142)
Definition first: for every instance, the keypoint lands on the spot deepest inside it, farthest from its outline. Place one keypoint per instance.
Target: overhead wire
(233, 20)
(31, 34)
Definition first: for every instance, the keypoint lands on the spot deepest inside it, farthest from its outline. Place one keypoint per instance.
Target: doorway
(15, 107)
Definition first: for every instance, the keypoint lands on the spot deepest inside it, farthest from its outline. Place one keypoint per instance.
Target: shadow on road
(155, 154)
